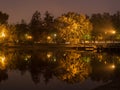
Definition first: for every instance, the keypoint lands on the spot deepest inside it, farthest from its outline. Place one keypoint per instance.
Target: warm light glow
(55, 35)
(2, 62)
(113, 32)
(27, 57)
(48, 37)
(28, 36)
(3, 34)
(2, 59)
(48, 55)
(113, 66)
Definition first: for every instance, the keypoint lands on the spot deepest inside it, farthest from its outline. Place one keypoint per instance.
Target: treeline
(69, 27)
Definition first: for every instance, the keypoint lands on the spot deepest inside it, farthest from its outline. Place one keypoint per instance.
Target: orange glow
(2, 62)
(48, 37)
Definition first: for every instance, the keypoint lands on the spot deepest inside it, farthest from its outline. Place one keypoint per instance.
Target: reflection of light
(49, 55)
(2, 62)
(113, 66)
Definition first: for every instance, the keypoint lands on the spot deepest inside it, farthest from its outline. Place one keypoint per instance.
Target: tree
(22, 31)
(4, 33)
(35, 26)
(73, 27)
(3, 18)
(47, 26)
(72, 67)
(102, 25)
(116, 23)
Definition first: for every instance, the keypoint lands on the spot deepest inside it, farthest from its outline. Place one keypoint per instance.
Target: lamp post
(54, 37)
(113, 33)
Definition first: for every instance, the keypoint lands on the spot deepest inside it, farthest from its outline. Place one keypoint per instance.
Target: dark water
(58, 70)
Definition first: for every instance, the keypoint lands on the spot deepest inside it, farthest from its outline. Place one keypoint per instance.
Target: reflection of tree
(3, 75)
(68, 66)
(103, 66)
(72, 69)
(41, 65)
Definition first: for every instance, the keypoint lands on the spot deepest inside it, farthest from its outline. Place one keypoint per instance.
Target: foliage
(73, 27)
(102, 26)
(35, 25)
(72, 68)
(3, 18)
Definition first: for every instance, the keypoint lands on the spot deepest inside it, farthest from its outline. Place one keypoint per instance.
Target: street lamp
(55, 35)
(113, 33)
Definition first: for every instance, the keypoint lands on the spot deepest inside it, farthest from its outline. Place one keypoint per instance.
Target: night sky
(24, 9)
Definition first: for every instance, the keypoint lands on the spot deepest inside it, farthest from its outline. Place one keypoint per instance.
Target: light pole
(55, 35)
(113, 33)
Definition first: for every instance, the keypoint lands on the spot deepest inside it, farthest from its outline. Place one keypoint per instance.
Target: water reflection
(68, 66)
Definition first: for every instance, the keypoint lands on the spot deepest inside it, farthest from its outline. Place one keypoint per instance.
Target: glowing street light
(113, 32)
(48, 37)
(29, 37)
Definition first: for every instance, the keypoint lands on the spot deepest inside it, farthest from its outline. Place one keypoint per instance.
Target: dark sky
(24, 9)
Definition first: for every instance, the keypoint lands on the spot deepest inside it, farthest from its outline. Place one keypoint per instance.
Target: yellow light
(113, 66)
(2, 62)
(2, 59)
(3, 34)
(48, 55)
(29, 37)
(55, 35)
(113, 32)
(48, 37)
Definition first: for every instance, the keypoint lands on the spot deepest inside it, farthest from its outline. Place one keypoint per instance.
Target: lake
(58, 69)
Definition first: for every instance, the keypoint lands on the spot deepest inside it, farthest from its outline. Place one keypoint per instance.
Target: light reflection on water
(56, 69)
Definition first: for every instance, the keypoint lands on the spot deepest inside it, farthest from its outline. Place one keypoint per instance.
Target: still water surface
(58, 70)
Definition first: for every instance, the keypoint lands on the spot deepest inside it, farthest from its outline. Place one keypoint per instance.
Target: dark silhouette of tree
(47, 26)
(36, 25)
(3, 18)
(3, 75)
(21, 30)
(102, 25)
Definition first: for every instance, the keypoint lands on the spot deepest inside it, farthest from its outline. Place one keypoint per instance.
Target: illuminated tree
(4, 33)
(73, 27)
